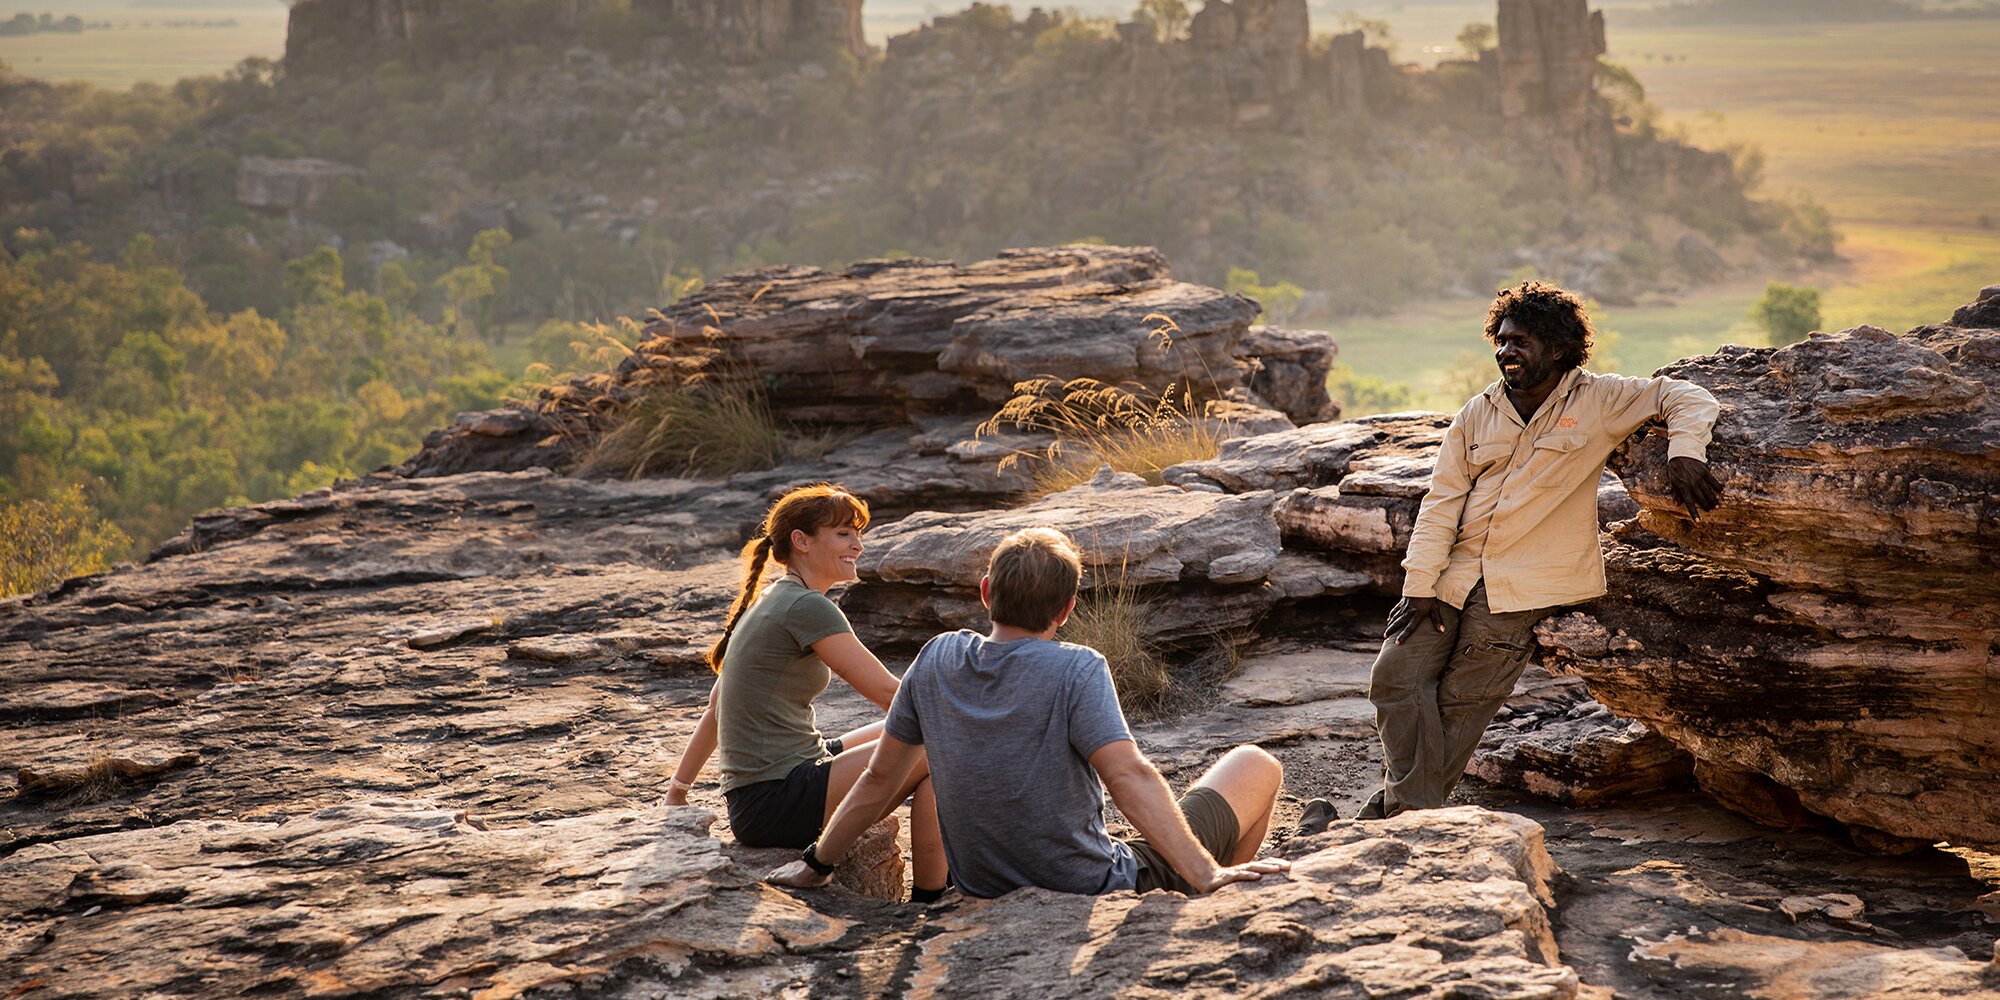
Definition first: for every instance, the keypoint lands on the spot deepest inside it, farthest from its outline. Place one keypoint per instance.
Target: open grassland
(1891, 126)
(140, 46)
(1888, 123)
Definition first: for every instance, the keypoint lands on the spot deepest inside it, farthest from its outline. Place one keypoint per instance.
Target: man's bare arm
(873, 792)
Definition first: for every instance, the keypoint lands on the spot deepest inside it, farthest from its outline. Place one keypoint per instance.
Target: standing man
(1508, 533)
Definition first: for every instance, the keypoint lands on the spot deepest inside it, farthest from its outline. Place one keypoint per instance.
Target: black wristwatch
(813, 862)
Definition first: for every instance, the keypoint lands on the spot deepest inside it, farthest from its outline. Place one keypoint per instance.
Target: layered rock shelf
(911, 342)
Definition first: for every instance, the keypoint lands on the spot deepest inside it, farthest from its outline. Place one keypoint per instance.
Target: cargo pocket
(1484, 670)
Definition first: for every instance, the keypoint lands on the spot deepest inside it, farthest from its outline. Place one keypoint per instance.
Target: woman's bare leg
(860, 737)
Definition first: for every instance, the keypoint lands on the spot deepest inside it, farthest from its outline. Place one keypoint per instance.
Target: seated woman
(780, 777)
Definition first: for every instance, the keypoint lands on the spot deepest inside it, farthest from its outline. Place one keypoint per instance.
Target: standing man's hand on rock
(1694, 485)
(1408, 612)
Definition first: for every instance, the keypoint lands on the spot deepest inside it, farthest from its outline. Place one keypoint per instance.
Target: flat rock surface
(388, 895)
(1451, 903)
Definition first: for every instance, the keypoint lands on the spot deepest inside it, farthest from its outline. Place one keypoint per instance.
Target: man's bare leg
(1248, 778)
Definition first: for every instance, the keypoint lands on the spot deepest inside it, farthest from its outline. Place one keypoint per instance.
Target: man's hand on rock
(1408, 612)
(1250, 872)
(797, 875)
(1694, 485)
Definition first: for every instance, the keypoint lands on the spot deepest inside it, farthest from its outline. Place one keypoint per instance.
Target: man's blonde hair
(1031, 576)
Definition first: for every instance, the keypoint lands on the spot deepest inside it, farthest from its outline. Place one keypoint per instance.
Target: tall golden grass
(1096, 424)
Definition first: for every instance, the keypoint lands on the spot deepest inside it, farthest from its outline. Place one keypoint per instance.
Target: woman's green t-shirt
(770, 676)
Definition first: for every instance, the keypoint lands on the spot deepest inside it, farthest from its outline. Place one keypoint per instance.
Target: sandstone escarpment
(1831, 628)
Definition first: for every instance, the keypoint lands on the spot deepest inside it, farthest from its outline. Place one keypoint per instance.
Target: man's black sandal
(813, 862)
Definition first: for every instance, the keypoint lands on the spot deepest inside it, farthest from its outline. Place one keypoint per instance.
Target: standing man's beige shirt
(1516, 503)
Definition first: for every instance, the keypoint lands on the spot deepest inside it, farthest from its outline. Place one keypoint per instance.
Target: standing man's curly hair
(1548, 312)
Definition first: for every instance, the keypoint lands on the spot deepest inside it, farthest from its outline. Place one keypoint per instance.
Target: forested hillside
(239, 287)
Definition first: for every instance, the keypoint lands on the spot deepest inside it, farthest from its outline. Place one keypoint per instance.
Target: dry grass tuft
(105, 777)
(1111, 618)
(695, 415)
(1097, 424)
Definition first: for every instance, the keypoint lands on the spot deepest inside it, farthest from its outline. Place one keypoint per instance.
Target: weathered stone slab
(391, 896)
(1204, 556)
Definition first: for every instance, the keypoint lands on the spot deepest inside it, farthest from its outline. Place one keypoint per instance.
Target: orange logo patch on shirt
(1566, 422)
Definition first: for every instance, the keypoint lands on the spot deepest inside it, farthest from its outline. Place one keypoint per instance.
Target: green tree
(1787, 312)
(1167, 18)
(1476, 37)
(316, 278)
(1362, 395)
(44, 542)
(1280, 300)
(471, 287)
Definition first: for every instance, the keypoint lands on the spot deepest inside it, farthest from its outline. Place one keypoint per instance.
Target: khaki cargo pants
(1435, 693)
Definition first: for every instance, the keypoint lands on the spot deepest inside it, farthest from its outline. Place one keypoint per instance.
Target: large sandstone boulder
(747, 31)
(913, 343)
(1831, 628)
(294, 185)
(1202, 562)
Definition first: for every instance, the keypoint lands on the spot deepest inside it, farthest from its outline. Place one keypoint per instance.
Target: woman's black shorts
(782, 812)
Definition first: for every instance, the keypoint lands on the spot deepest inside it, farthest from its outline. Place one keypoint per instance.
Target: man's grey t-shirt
(1008, 728)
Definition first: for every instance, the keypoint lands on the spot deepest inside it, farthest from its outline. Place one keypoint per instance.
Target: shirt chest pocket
(1556, 461)
(1488, 453)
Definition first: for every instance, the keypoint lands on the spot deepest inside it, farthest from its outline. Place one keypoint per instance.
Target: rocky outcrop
(294, 185)
(1548, 84)
(1548, 57)
(407, 736)
(1829, 629)
(1203, 563)
(1249, 63)
(1552, 740)
(328, 36)
(747, 31)
(917, 343)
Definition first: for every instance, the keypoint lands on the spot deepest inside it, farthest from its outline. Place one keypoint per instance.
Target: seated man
(1018, 729)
